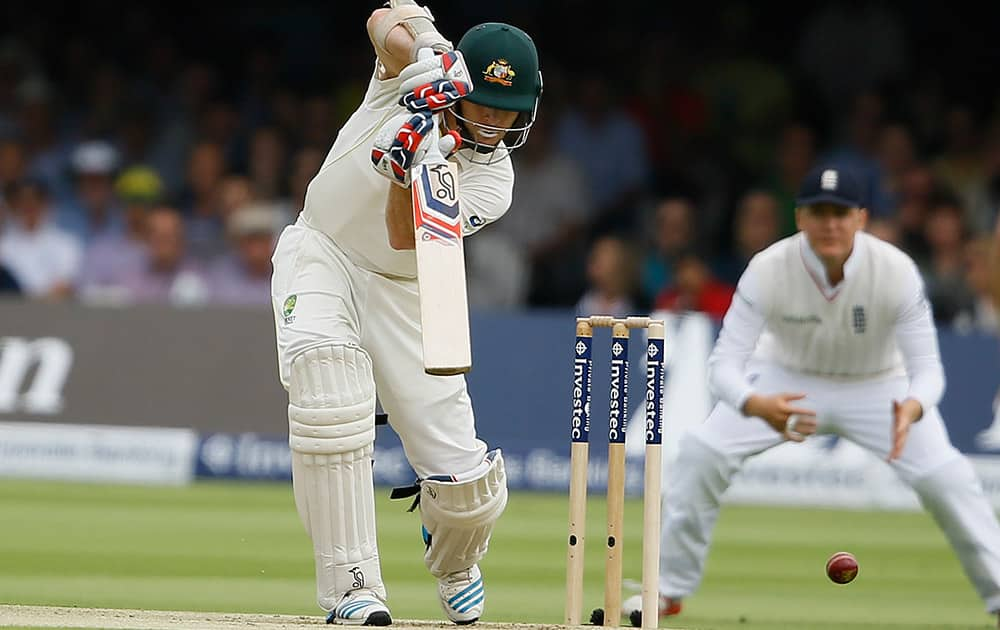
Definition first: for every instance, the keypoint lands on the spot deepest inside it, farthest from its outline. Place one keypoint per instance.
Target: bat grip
(434, 136)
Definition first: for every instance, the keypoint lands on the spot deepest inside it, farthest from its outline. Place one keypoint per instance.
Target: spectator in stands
(169, 275)
(994, 266)
(12, 163)
(696, 289)
(960, 166)
(547, 222)
(991, 169)
(896, 157)
(47, 157)
(674, 233)
(497, 273)
(757, 226)
(305, 165)
(267, 164)
(610, 149)
(200, 203)
(243, 276)
(112, 257)
(93, 212)
(795, 154)
(944, 269)
(916, 196)
(885, 229)
(235, 191)
(857, 149)
(104, 106)
(611, 278)
(12, 62)
(8, 284)
(317, 122)
(846, 48)
(218, 124)
(981, 313)
(43, 258)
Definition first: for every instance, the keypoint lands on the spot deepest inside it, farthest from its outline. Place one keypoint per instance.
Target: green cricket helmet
(503, 63)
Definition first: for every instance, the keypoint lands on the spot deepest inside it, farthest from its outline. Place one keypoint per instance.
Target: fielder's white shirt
(876, 322)
(346, 199)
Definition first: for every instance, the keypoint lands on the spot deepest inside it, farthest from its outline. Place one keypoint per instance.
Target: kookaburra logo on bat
(445, 188)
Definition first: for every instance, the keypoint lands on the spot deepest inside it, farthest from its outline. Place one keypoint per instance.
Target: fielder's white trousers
(337, 301)
(860, 411)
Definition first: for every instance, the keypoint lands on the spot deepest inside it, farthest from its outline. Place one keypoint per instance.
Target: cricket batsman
(347, 316)
(829, 332)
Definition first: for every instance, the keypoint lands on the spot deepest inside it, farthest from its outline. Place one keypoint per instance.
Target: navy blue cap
(831, 184)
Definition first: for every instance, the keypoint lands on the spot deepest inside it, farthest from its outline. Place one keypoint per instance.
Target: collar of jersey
(818, 272)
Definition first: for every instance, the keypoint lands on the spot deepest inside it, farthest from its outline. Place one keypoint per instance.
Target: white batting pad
(459, 515)
(331, 401)
(331, 426)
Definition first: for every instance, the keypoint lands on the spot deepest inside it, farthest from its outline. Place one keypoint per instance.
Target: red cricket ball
(842, 567)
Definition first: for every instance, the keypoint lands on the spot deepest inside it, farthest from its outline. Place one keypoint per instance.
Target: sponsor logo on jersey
(859, 319)
(288, 307)
(791, 318)
(499, 71)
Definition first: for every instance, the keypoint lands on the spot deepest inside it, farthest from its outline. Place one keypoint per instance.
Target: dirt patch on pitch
(58, 617)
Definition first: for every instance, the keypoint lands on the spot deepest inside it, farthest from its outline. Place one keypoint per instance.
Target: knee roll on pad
(331, 401)
(459, 515)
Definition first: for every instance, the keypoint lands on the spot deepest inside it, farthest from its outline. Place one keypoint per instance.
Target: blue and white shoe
(361, 607)
(463, 595)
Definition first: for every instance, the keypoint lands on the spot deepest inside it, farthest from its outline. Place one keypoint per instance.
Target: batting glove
(433, 69)
(398, 145)
(434, 96)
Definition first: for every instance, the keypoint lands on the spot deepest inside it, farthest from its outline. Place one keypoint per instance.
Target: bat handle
(433, 139)
(433, 151)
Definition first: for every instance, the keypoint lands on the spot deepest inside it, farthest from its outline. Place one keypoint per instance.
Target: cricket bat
(437, 222)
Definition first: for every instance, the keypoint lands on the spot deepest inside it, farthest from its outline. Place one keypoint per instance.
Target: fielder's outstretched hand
(795, 423)
(904, 414)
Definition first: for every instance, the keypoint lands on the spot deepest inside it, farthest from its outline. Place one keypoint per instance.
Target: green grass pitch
(240, 548)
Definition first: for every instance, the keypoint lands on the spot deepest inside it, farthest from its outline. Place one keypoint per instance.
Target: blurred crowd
(655, 169)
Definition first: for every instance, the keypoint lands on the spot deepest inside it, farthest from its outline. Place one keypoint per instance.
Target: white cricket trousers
(860, 411)
(337, 301)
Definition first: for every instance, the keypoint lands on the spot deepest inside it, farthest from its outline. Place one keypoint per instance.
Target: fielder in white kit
(829, 332)
(347, 315)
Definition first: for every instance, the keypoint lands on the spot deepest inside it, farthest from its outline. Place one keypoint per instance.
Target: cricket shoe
(632, 607)
(463, 595)
(360, 607)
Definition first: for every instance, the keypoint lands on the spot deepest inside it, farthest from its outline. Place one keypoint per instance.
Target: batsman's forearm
(399, 218)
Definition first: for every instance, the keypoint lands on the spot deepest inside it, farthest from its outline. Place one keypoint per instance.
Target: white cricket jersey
(875, 323)
(346, 199)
